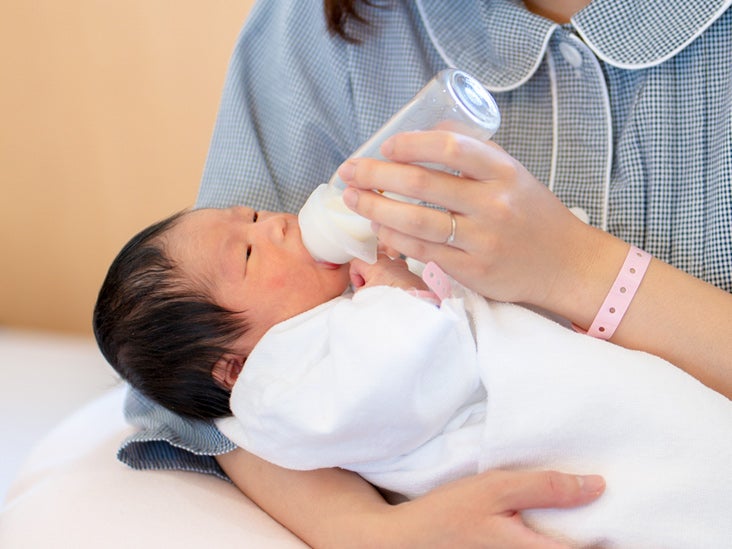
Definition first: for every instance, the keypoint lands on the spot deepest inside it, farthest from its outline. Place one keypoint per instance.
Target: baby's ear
(227, 369)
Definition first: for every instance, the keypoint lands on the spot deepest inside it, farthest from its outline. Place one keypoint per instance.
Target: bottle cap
(479, 104)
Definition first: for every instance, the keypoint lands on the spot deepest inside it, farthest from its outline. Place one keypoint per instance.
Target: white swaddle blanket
(403, 393)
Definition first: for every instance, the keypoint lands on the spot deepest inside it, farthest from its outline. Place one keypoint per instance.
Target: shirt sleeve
(165, 440)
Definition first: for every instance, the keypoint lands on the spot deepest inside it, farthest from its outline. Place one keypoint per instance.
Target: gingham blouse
(626, 113)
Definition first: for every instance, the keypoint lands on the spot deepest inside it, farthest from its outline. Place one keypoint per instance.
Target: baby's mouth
(328, 265)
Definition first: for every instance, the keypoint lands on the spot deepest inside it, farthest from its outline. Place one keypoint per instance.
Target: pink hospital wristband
(621, 294)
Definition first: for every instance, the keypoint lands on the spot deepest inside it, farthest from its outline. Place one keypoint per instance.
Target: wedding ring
(453, 226)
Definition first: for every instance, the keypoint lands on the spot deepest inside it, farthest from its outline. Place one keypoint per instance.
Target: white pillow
(72, 492)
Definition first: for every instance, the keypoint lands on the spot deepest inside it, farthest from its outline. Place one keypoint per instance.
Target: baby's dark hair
(159, 332)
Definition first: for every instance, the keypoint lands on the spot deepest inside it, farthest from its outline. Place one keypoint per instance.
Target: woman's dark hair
(162, 335)
(338, 12)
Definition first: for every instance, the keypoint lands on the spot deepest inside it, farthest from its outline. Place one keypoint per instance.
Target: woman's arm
(479, 511)
(515, 241)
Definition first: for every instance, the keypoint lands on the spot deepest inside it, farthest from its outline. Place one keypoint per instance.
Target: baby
(187, 298)
(218, 311)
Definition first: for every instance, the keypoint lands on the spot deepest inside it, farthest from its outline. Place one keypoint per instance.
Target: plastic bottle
(452, 100)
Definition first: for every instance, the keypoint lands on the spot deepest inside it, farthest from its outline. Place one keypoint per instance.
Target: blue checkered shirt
(626, 113)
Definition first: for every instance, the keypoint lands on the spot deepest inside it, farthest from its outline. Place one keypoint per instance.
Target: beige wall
(106, 111)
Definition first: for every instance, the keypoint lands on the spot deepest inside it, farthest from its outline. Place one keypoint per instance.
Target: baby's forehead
(176, 236)
(190, 225)
(185, 241)
(201, 245)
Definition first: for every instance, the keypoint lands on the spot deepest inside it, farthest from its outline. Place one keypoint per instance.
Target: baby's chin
(339, 275)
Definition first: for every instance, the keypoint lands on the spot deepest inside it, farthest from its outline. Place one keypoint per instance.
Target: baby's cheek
(284, 288)
(279, 282)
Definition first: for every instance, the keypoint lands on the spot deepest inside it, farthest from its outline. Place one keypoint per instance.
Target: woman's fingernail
(350, 197)
(347, 170)
(387, 147)
(591, 484)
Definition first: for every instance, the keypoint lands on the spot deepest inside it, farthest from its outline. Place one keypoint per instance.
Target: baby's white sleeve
(354, 381)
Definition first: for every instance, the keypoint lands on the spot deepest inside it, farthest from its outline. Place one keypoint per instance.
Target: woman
(628, 124)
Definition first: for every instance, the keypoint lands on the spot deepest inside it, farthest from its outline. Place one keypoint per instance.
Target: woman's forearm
(685, 321)
(673, 314)
(322, 507)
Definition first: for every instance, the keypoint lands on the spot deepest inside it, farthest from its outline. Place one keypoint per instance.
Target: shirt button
(571, 54)
(580, 213)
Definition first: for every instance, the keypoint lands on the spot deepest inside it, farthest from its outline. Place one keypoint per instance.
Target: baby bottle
(453, 101)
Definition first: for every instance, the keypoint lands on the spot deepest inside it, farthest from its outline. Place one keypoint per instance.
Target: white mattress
(72, 492)
(43, 378)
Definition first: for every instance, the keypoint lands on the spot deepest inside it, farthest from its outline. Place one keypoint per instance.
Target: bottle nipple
(333, 233)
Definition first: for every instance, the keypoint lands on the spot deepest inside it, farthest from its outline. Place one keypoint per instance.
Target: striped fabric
(168, 441)
(626, 113)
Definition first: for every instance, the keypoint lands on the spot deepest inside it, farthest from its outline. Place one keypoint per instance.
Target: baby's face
(254, 262)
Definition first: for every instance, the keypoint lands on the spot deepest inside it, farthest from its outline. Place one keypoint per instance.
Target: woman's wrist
(621, 294)
(588, 268)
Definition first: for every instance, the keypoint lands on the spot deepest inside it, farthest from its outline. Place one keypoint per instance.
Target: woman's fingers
(428, 224)
(474, 159)
(412, 181)
(484, 510)
(550, 489)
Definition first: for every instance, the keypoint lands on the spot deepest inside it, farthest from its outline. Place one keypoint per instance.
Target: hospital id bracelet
(621, 293)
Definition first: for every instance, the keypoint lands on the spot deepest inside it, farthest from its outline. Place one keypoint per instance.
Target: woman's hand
(514, 240)
(484, 510)
(336, 508)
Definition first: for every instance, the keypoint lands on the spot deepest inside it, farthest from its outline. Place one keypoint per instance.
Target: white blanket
(401, 392)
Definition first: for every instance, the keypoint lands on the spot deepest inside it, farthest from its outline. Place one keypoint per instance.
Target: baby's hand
(385, 272)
